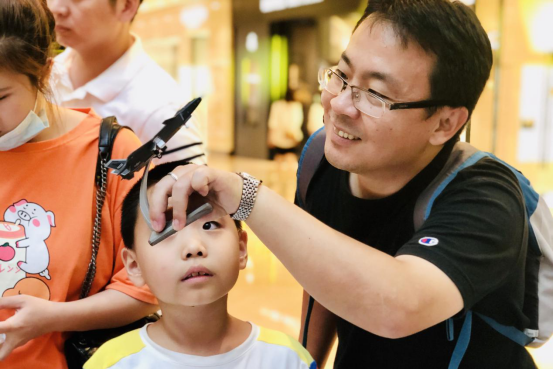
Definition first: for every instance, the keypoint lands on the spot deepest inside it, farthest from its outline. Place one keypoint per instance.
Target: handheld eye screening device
(142, 157)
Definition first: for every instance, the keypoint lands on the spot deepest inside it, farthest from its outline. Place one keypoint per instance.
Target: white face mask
(31, 126)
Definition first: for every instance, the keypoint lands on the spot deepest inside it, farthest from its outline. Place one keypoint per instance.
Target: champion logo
(428, 241)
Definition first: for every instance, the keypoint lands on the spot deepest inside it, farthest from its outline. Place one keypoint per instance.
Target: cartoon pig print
(37, 223)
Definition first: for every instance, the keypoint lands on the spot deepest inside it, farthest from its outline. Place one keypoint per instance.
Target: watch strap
(250, 187)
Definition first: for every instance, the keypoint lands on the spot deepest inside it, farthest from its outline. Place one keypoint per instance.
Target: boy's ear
(132, 267)
(450, 121)
(243, 249)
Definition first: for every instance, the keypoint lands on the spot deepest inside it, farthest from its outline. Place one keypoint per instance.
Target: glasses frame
(390, 105)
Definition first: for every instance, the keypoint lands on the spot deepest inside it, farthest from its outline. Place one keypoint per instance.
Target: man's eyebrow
(384, 77)
(346, 59)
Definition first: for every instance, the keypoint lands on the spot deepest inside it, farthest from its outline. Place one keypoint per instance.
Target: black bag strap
(109, 128)
(311, 157)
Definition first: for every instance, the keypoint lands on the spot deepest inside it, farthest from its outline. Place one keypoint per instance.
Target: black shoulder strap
(109, 128)
(108, 131)
(311, 157)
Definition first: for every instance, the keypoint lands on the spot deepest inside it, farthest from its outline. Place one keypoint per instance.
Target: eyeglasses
(367, 101)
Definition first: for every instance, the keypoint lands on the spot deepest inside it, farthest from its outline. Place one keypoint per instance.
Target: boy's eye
(210, 226)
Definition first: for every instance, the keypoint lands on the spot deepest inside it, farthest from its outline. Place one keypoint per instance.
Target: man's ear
(451, 120)
(243, 249)
(127, 9)
(132, 267)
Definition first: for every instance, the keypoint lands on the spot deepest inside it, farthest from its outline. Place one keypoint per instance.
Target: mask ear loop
(157, 237)
(36, 103)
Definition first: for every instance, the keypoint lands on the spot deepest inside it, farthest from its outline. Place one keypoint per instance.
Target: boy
(191, 274)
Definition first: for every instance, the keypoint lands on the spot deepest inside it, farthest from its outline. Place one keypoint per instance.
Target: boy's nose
(194, 249)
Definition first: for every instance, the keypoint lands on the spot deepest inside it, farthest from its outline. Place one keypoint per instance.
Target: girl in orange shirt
(48, 159)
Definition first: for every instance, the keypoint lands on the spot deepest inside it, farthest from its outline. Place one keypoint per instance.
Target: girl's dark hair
(451, 32)
(26, 40)
(130, 208)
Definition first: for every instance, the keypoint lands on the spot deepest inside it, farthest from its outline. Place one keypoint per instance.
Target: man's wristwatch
(250, 187)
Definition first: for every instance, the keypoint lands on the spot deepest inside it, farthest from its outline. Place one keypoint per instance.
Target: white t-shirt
(263, 349)
(137, 91)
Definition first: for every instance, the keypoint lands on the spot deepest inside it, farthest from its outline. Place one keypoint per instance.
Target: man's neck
(383, 183)
(90, 63)
(201, 330)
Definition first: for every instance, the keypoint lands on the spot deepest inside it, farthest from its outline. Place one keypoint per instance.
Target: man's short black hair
(130, 209)
(452, 33)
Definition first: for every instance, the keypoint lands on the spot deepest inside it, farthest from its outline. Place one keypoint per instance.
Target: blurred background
(243, 56)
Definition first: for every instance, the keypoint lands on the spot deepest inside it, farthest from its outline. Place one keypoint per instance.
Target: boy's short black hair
(130, 209)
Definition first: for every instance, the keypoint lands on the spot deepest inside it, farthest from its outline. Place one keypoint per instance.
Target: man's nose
(343, 104)
(58, 7)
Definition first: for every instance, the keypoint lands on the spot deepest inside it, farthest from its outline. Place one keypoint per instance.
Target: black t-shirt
(479, 222)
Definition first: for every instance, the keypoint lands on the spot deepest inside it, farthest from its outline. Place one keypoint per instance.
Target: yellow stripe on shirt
(114, 350)
(279, 338)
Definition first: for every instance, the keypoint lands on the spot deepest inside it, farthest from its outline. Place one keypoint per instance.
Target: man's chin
(337, 160)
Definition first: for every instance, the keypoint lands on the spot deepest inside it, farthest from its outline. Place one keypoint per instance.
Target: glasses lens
(368, 103)
(330, 81)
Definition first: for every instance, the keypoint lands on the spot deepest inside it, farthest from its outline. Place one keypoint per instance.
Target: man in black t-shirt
(394, 107)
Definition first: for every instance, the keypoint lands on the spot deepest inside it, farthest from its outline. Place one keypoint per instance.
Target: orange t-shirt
(47, 204)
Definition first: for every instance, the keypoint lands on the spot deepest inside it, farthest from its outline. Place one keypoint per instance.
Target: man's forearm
(373, 290)
(106, 309)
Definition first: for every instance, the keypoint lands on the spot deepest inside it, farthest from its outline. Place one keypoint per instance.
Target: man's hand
(33, 317)
(221, 189)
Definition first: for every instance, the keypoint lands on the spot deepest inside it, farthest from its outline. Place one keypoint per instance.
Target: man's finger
(180, 194)
(159, 194)
(201, 180)
(180, 199)
(157, 200)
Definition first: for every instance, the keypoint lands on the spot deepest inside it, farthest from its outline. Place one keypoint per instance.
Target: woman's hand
(223, 190)
(33, 317)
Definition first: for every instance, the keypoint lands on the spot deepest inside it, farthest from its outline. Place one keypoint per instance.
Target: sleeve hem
(447, 267)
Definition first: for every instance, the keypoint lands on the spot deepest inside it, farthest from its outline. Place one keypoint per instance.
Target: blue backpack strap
(458, 159)
(309, 161)
(508, 331)
(311, 156)
(530, 196)
(539, 220)
(462, 344)
(463, 156)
